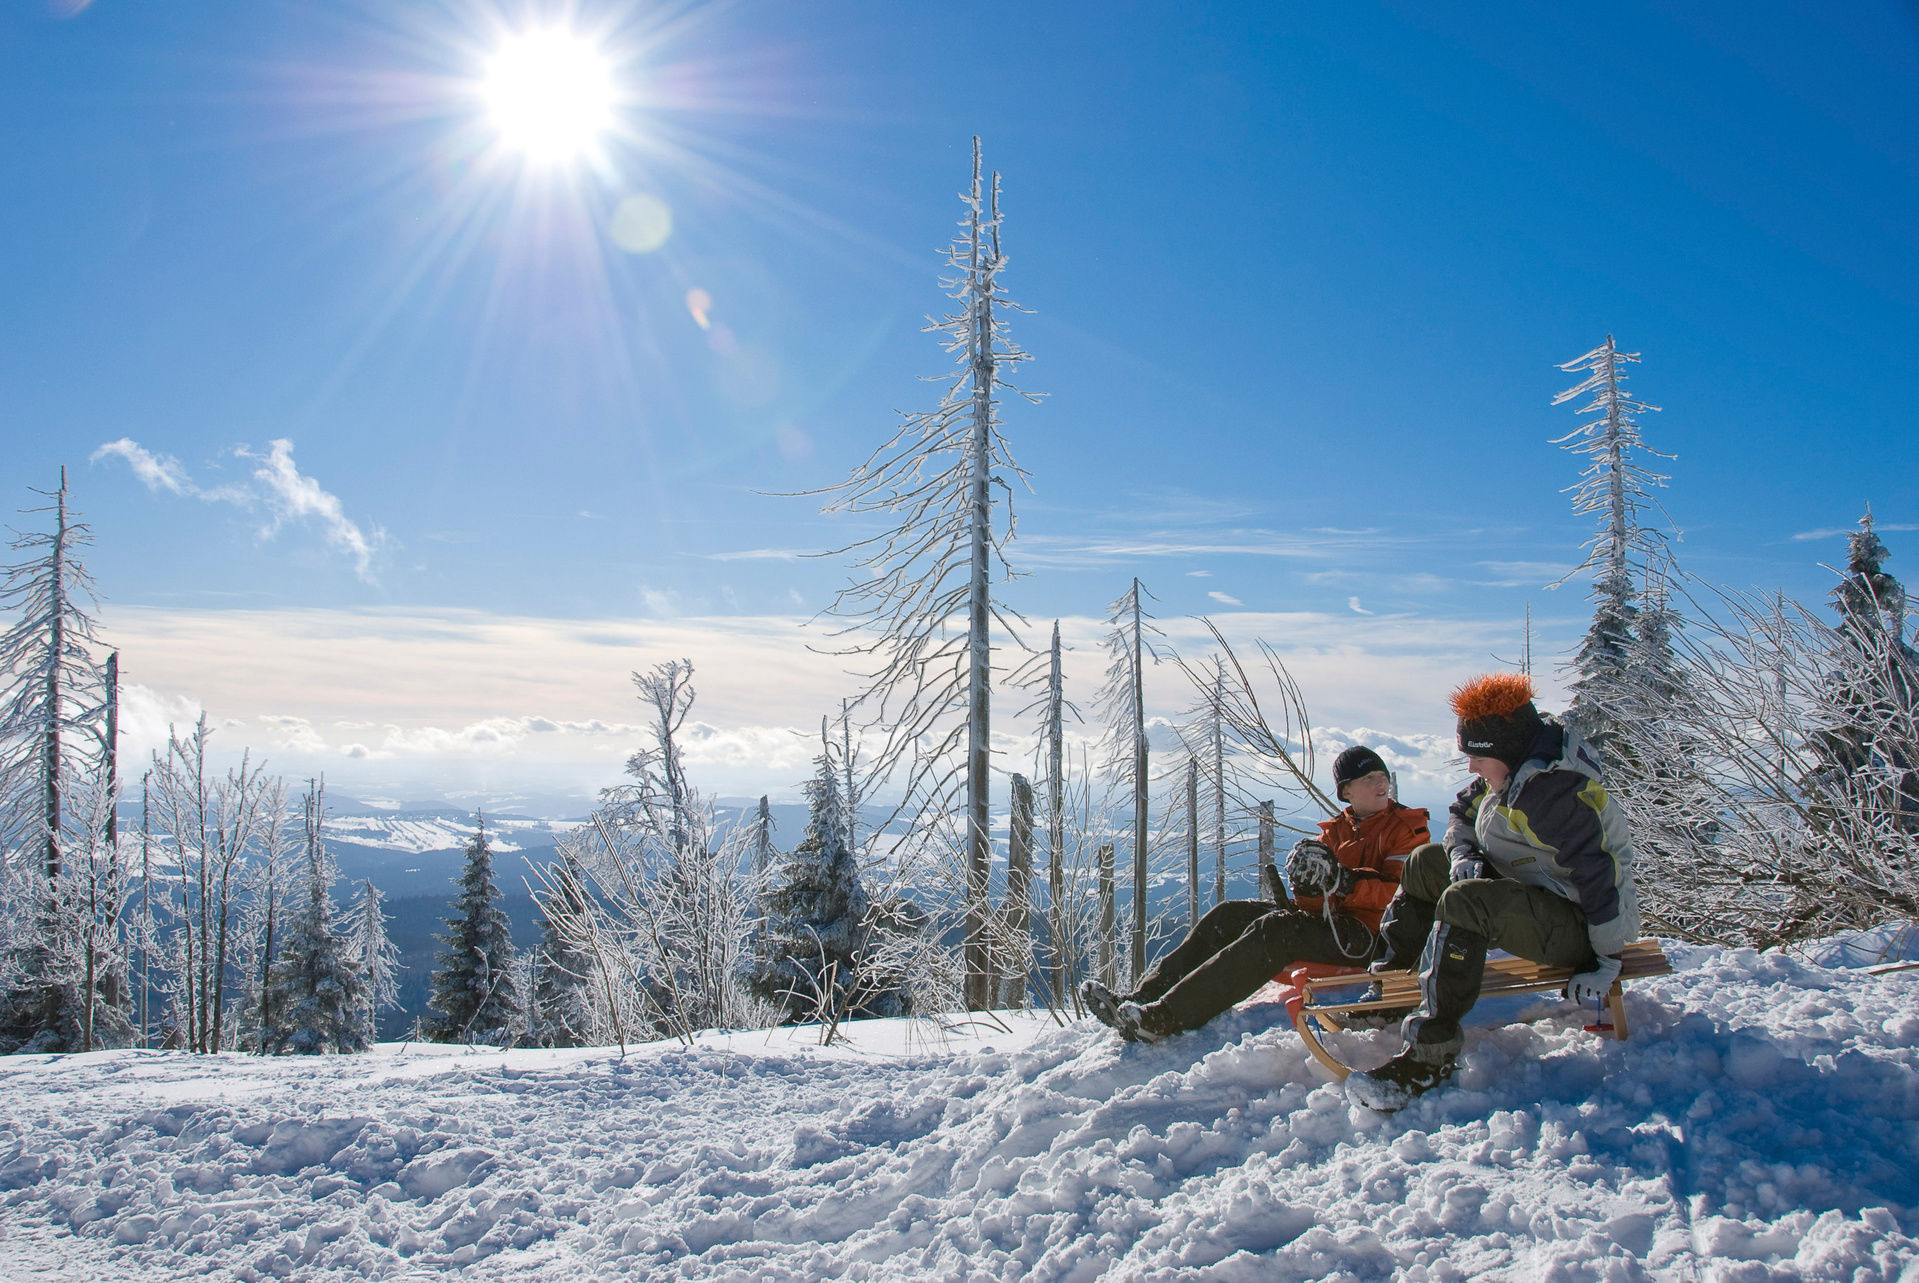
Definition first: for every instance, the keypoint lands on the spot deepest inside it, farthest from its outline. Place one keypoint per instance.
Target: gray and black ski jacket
(1555, 826)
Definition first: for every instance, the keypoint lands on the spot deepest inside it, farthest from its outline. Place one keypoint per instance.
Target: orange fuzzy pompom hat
(1497, 718)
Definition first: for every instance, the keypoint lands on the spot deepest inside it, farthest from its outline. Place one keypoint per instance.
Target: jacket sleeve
(1409, 834)
(1460, 817)
(1566, 812)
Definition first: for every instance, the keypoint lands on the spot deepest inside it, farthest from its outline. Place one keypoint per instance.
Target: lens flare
(550, 94)
(699, 304)
(641, 224)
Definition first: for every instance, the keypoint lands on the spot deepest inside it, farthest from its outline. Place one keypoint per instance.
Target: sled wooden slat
(1503, 976)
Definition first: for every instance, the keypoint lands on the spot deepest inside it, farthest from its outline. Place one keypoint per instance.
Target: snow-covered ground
(1762, 1124)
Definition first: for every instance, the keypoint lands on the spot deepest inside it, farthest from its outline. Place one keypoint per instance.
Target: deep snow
(1761, 1124)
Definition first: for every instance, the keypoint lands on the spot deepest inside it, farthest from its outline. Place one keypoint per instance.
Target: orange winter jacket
(1379, 843)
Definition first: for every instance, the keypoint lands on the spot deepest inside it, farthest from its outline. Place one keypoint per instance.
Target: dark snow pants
(1237, 947)
(1449, 926)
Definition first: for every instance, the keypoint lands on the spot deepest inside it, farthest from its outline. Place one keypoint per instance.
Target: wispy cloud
(155, 471)
(759, 554)
(1836, 531)
(293, 496)
(1225, 599)
(1526, 574)
(1069, 553)
(278, 487)
(1357, 609)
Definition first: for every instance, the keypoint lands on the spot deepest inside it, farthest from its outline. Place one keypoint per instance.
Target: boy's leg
(1409, 918)
(1219, 927)
(1275, 940)
(1526, 921)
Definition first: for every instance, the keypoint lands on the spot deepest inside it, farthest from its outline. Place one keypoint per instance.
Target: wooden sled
(1312, 992)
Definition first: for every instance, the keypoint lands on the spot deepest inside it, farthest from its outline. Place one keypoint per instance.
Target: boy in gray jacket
(1536, 861)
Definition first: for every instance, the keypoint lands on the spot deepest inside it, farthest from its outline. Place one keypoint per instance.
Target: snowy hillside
(1760, 1125)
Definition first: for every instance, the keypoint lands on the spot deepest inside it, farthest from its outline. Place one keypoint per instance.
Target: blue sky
(1299, 279)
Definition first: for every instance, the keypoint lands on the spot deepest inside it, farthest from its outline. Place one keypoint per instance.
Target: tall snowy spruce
(317, 993)
(921, 607)
(1615, 486)
(53, 710)
(803, 956)
(474, 998)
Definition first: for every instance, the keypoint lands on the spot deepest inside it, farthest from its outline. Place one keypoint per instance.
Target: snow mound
(1759, 1125)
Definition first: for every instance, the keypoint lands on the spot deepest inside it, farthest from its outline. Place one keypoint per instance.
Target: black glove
(1312, 870)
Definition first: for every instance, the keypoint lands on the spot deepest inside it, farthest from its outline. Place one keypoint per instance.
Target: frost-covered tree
(217, 826)
(1616, 486)
(561, 1013)
(1122, 705)
(374, 956)
(1044, 675)
(1203, 733)
(803, 955)
(921, 608)
(268, 882)
(474, 999)
(318, 993)
(52, 736)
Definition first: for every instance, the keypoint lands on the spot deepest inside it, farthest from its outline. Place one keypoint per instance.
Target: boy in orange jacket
(1342, 883)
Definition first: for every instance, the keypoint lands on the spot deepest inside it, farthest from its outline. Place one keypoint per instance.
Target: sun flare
(550, 94)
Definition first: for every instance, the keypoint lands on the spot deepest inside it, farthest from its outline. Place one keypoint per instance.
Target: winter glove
(1589, 987)
(1312, 870)
(1467, 863)
(1310, 866)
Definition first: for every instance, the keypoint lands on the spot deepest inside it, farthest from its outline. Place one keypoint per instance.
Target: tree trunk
(1056, 820)
(1019, 880)
(1265, 840)
(979, 984)
(1108, 945)
(1139, 794)
(1192, 843)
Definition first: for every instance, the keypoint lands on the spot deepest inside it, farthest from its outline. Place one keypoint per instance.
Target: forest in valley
(1766, 751)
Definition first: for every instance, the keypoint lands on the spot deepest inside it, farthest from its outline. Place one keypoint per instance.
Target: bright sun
(550, 94)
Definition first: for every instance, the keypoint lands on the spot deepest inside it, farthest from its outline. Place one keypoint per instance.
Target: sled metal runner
(1315, 1009)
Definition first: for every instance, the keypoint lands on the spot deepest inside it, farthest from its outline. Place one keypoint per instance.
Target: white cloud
(412, 702)
(1850, 530)
(156, 472)
(1357, 609)
(279, 487)
(760, 554)
(293, 496)
(1225, 599)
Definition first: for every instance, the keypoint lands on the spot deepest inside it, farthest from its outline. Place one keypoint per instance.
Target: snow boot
(1102, 1002)
(1131, 1024)
(1397, 1083)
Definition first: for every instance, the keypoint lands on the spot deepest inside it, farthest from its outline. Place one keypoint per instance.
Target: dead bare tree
(921, 609)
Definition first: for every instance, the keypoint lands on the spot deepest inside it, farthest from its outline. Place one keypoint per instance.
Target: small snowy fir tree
(1874, 688)
(376, 956)
(1616, 487)
(804, 955)
(561, 1013)
(317, 992)
(474, 999)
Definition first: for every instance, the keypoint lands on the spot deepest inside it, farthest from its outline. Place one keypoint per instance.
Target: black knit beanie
(1354, 763)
